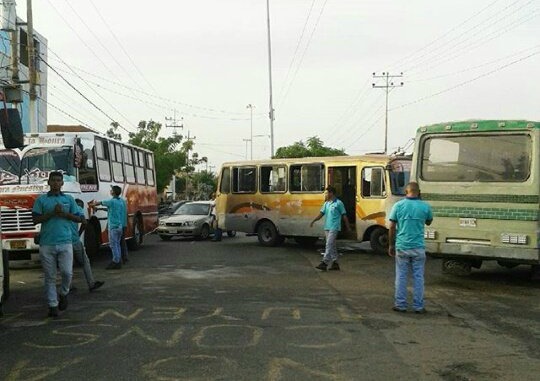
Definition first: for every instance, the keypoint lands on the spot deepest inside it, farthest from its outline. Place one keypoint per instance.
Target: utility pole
(247, 140)
(387, 86)
(174, 122)
(188, 181)
(271, 113)
(251, 107)
(31, 67)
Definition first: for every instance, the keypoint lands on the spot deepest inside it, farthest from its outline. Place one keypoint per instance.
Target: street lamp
(251, 107)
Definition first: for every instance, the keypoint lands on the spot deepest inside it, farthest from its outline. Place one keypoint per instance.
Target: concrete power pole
(271, 112)
(188, 181)
(174, 124)
(387, 86)
(31, 67)
(251, 107)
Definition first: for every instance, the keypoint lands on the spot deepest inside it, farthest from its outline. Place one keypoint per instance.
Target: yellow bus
(277, 199)
(482, 179)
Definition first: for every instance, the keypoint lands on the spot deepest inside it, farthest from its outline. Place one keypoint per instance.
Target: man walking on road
(116, 218)
(78, 250)
(408, 218)
(334, 212)
(56, 212)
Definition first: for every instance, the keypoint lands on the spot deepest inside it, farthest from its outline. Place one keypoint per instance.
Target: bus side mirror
(11, 126)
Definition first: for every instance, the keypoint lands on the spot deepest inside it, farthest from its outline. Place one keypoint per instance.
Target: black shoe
(334, 267)
(62, 302)
(113, 266)
(322, 266)
(421, 311)
(97, 284)
(53, 312)
(397, 309)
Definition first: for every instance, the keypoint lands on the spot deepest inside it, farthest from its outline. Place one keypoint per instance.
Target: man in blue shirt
(56, 212)
(408, 218)
(334, 212)
(116, 218)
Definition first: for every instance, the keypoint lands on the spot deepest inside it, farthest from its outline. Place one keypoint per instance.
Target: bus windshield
(400, 174)
(36, 165)
(480, 158)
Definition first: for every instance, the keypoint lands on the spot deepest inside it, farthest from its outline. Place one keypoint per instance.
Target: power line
(387, 86)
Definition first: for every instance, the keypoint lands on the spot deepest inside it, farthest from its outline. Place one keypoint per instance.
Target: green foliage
(312, 148)
(113, 131)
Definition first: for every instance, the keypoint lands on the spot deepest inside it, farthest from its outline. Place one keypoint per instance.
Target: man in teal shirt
(56, 212)
(408, 218)
(334, 212)
(116, 218)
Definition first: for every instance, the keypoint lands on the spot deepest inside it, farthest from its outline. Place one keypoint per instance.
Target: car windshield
(193, 210)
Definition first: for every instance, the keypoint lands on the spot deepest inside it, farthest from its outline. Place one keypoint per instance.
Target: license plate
(18, 244)
(467, 222)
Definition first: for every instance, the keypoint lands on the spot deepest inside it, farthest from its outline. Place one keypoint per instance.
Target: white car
(193, 219)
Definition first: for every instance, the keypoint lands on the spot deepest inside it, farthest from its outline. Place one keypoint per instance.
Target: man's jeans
(115, 236)
(80, 256)
(50, 256)
(405, 259)
(330, 253)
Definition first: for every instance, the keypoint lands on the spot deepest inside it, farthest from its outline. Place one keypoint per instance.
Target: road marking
(118, 314)
(295, 312)
(23, 371)
(135, 330)
(341, 334)
(278, 365)
(255, 333)
(218, 312)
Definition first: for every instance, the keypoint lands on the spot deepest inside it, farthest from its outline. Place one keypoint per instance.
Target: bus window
(150, 168)
(102, 152)
(273, 179)
(225, 184)
(244, 180)
(129, 169)
(307, 178)
(116, 159)
(373, 182)
(139, 167)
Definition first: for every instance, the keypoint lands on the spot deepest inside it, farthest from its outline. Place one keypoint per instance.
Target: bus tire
(306, 241)
(268, 234)
(91, 240)
(378, 240)
(136, 241)
(5, 283)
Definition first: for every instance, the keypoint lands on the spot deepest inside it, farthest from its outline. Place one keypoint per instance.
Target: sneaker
(113, 266)
(421, 311)
(322, 266)
(397, 309)
(97, 284)
(334, 267)
(62, 302)
(53, 312)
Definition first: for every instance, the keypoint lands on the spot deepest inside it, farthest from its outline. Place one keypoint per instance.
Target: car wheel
(205, 232)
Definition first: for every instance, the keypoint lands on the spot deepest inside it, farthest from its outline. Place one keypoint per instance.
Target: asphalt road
(186, 310)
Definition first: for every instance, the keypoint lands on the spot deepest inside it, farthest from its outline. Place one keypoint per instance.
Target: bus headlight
(514, 239)
(430, 234)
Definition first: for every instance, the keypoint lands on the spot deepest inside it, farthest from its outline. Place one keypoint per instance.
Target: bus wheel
(91, 240)
(378, 240)
(306, 241)
(455, 267)
(135, 242)
(5, 283)
(268, 235)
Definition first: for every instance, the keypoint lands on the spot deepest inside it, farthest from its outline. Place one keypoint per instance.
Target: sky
(206, 60)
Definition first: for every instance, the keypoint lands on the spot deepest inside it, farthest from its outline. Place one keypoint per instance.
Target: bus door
(373, 193)
(344, 180)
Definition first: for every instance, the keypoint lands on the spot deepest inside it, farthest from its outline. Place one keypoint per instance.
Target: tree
(113, 131)
(312, 148)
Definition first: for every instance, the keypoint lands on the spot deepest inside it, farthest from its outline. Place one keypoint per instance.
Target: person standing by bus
(406, 244)
(56, 212)
(80, 254)
(334, 212)
(116, 216)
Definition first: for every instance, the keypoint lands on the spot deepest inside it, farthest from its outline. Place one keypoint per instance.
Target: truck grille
(14, 220)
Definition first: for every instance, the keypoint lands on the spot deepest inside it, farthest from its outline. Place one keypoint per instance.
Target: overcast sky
(207, 59)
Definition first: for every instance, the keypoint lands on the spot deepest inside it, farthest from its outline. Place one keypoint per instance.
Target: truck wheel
(135, 242)
(378, 240)
(5, 283)
(268, 234)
